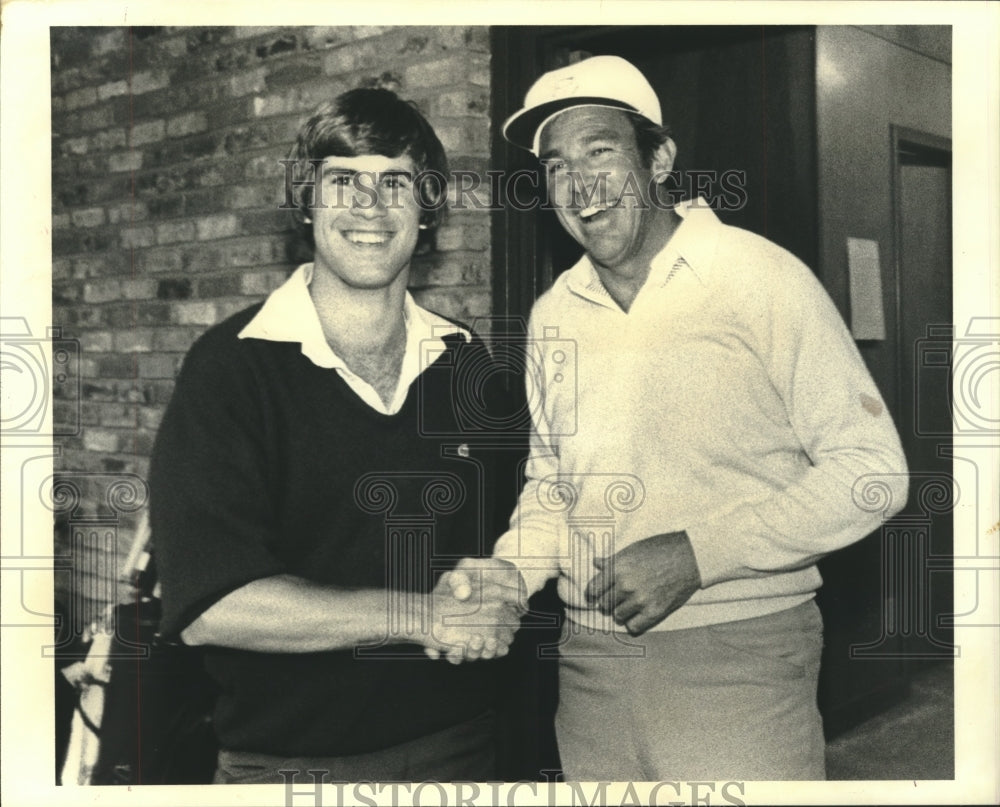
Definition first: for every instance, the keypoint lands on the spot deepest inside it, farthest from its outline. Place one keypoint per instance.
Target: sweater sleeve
(209, 509)
(532, 543)
(856, 476)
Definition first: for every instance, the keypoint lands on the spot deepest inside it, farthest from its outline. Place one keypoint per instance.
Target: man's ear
(663, 159)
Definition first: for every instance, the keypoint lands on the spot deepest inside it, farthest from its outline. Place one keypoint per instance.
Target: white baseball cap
(598, 81)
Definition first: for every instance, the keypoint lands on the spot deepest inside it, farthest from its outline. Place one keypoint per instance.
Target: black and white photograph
(554, 403)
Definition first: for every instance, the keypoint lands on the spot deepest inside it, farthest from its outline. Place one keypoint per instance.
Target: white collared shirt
(289, 315)
(688, 249)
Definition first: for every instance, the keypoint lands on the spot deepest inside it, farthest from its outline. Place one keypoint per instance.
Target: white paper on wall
(865, 273)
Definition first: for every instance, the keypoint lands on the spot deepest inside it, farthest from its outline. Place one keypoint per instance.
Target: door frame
(900, 138)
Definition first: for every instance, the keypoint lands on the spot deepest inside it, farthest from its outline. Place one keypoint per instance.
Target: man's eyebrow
(603, 134)
(329, 170)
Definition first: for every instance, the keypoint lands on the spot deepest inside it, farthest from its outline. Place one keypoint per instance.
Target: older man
(722, 416)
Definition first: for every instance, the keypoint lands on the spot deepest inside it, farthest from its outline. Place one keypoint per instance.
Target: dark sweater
(267, 464)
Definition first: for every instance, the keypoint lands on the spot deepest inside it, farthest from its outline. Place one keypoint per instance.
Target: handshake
(475, 610)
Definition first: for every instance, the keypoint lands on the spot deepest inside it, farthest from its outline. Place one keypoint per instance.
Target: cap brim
(520, 127)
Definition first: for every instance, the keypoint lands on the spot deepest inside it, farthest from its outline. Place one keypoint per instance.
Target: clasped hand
(645, 582)
(476, 609)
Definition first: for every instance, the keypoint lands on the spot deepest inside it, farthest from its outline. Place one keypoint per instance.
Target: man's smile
(373, 238)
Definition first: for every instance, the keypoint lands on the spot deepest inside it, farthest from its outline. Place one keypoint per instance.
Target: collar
(289, 315)
(692, 245)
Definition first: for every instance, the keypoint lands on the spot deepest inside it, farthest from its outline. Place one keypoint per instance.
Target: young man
(722, 418)
(311, 478)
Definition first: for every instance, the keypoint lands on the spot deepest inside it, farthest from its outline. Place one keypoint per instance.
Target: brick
(89, 413)
(346, 59)
(203, 258)
(463, 236)
(440, 72)
(172, 231)
(89, 217)
(113, 40)
(245, 138)
(259, 195)
(154, 104)
(479, 73)
(194, 313)
(98, 117)
(115, 365)
(101, 291)
(112, 89)
(282, 43)
(108, 139)
(166, 207)
(132, 393)
(150, 416)
(139, 289)
(450, 269)
(247, 83)
(471, 38)
(133, 340)
(318, 37)
(85, 96)
(148, 81)
(161, 260)
(158, 365)
(462, 304)
(459, 138)
(60, 220)
(366, 31)
(462, 102)
(153, 313)
(97, 266)
(128, 212)
(204, 201)
(96, 341)
(62, 269)
(293, 100)
(174, 339)
(224, 286)
(119, 415)
(93, 391)
(266, 220)
(101, 440)
(148, 132)
(65, 413)
(186, 124)
(471, 191)
(220, 226)
(75, 145)
(142, 442)
(125, 161)
(226, 308)
(261, 283)
(173, 289)
(132, 237)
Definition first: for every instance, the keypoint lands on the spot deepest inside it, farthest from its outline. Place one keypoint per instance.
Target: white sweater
(729, 402)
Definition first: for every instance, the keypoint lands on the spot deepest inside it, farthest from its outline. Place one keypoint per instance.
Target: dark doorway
(922, 188)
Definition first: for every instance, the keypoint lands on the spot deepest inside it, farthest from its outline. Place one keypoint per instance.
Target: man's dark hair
(648, 137)
(370, 121)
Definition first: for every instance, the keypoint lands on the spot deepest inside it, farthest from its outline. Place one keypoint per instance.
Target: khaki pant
(735, 701)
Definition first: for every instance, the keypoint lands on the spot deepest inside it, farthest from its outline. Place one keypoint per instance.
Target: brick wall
(165, 188)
